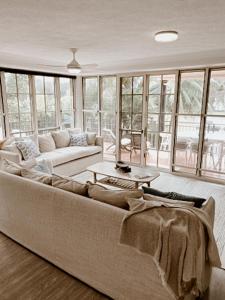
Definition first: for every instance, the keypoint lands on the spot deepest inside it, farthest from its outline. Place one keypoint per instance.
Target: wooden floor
(26, 276)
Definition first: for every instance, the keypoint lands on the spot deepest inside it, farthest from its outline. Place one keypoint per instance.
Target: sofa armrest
(209, 208)
(99, 141)
(15, 157)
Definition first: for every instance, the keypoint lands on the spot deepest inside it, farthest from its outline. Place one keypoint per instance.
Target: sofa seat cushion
(63, 155)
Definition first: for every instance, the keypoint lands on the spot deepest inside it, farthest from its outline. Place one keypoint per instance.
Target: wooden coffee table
(114, 177)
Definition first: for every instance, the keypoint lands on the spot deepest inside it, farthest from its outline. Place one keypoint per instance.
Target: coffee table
(114, 177)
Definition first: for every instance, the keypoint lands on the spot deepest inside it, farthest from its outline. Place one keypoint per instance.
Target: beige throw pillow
(61, 138)
(91, 137)
(149, 197)
(37, 176)
(113, 197)
(70, 185)
(10, 167)
(46, 143)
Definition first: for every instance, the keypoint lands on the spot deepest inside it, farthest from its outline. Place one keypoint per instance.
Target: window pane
(216, 101)
(23, 84)
(126, 103)
(12, 103)
(138, 85)
(10, 83)
(191, 92)
(154, 104)
(108, 116)
(125, 145)
(66, 102)
(165, 123)
(125, 120)
(187, 141)
(136, 121)
(40, 101)
(91, 121)
(39, 84)
(91, 93)
(49, 85)
(153, 122)
(168, 84)
(24, 103)
(137, 104)
(126, 85)
(167, 103)
(155, 85)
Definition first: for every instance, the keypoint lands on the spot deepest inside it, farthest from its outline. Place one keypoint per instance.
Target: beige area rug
(168, 182)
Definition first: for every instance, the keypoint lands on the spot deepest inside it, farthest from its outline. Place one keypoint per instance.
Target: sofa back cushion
(149, 197)
(78, 139)
(91, 138)
(28, 149)
(46, 143)
(70, 185)
(37, 176)
(61, 138)
(117, 198)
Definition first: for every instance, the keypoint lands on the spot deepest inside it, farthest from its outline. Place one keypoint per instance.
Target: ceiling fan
(74, 67)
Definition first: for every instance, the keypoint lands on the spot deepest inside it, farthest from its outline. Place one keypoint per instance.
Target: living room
(112, 153)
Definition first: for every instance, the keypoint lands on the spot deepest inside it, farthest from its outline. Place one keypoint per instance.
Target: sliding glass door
(213, 162)
(161, 96)
(131, 114)
(188, 121)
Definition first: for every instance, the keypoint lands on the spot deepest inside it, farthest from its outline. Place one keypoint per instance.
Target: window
(188, 121)
(66, 103)
(91, 104)
(99, 110)
(161, 89)
(45, 102)
(18, 104)
(213, 162)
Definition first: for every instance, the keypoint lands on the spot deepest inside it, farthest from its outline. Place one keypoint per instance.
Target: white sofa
(81, 236)
(67, 160)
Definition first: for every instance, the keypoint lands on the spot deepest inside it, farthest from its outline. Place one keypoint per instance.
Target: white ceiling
(115, 34)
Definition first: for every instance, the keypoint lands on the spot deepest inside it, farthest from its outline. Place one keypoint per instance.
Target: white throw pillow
(12, 148)
(61, 138)
(91, 137)
(28, 149)
(46, 143)
(78, 139)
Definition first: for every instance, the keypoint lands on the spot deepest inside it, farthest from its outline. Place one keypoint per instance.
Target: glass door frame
(143, 126)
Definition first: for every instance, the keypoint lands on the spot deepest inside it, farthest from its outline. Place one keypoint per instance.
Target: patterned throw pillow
(78, 139)
(28, 149)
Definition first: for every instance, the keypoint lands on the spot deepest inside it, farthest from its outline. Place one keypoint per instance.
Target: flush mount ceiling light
(166, 36)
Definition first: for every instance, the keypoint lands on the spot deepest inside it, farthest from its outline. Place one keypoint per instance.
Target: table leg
(95, 177)
(148, 184)
(136, 185)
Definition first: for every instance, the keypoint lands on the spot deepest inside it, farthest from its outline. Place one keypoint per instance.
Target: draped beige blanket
(179, 239)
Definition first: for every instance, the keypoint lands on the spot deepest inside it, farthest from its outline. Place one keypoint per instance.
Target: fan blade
(90, 66)
(53, 66)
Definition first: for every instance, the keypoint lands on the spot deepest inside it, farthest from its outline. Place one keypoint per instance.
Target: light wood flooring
(26, 276)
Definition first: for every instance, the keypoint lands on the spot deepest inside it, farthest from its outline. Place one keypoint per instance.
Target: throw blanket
(180, 241)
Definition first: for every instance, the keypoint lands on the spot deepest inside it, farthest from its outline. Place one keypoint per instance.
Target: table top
(137, 174)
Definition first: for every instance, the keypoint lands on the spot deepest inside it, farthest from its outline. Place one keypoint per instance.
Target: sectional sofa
(64, 159)
(81, 236)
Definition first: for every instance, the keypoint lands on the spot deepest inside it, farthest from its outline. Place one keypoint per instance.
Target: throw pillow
(113, 197)
(91, 137)
(43, 165)
(78, 139)
(10, 167)
(149, 197)
(46, 143)
(198, 201)
(70, 185)
(28, 149)
(61, 138)
(37, 176)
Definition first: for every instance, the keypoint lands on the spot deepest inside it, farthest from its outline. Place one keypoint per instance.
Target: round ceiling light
(166, 36)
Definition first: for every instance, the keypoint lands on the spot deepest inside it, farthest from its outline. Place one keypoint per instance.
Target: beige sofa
(66, 160)
(81, 236)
